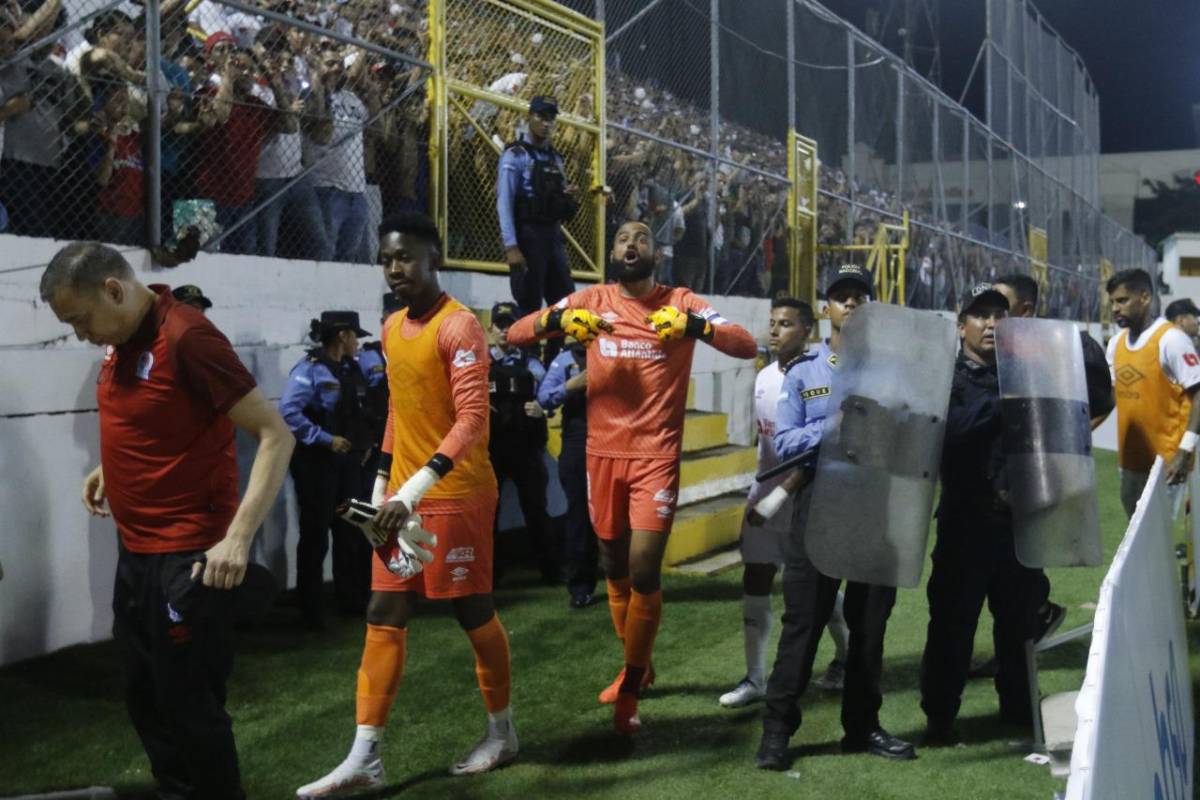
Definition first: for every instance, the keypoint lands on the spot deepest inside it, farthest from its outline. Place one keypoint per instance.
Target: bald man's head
(633, 253)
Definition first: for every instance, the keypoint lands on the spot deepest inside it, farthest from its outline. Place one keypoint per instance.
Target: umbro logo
(464, 358)
(460, 555)
(459, 574)
(1128, 375)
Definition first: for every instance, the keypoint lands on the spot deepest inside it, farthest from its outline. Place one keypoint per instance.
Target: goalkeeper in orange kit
(641, 336)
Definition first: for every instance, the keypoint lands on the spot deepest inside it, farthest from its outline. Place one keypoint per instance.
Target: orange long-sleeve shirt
(637, 384)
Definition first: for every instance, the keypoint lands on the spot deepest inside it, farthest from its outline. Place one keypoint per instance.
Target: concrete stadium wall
(58, 562)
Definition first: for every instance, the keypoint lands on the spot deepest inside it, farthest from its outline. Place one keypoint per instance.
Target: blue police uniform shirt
(803, 403)
(373, 367)
(311, 384)
(552, 392)
(516, 180)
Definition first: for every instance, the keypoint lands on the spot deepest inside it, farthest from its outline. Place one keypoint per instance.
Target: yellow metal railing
(887, 257)
(490, 58)
(803, 179)
(1039, 265)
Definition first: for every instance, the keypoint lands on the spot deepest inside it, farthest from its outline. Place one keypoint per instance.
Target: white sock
(756, 627)
(838, 630)
(499, 722)
(366, 743)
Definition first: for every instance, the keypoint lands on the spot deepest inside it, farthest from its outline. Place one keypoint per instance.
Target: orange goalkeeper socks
(492, 669)
(379, 674)
(618, 603)
(641, 628)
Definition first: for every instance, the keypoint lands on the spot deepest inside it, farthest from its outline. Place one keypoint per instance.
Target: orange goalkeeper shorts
(462, 559)
(626, 494)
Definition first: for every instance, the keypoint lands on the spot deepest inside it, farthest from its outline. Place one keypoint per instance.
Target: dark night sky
(1143, 56)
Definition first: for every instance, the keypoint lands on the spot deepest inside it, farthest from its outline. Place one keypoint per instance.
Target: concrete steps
(713, 478)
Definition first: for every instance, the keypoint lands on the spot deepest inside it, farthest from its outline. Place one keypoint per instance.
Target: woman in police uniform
(323, 404)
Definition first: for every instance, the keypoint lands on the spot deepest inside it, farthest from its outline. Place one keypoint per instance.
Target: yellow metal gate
(490, 58)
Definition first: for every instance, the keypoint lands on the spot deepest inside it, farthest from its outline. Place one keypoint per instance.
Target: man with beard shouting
(638, 370)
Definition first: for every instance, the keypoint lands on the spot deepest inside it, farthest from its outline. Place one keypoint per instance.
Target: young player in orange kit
(436, 464)
(641, 338)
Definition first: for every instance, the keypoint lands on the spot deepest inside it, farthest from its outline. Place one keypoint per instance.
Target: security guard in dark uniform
(533, 197)
(326, 406)
(975, 558)
(374, 368)
(565, 386)
(518, 434)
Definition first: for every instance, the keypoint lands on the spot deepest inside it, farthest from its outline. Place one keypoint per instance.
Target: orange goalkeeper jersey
(636, 384)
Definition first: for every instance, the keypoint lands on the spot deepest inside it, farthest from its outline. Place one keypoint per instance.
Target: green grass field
(63, 724)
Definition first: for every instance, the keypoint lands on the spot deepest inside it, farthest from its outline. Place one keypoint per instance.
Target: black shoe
(1048, 620)
(880, 743)
(773, 752)
(988, 669)
(941, 734)
(582, 600)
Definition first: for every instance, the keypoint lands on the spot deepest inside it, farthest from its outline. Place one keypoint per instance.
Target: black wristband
(695, 326)
(554, 320)
(384, 469)
(440, 464)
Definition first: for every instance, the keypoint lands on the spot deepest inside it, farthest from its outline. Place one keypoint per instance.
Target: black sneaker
(773, 752)
(1049, 617)
(880, 743)
(581, 600)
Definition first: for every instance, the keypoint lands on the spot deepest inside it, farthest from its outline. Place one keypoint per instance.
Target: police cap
(188, 293)
(504, 314)
(544, 104)
(982, 293)
(851, 273)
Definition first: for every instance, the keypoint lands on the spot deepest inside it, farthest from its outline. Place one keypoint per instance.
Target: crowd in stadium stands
(252, 104)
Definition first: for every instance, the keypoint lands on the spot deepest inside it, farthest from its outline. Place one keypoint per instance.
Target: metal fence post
(714, 102)
(154, 122)
(850, 165)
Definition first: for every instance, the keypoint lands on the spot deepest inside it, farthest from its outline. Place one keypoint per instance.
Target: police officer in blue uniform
(325, 405)
(808, 595)
(975, 557)
(565, 386)
(518, 435)
(533, 197)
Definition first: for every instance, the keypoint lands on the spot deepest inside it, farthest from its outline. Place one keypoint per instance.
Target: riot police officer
(975, 558)
(565, 386)
(533, 197)
(325, 405)
(518, 434)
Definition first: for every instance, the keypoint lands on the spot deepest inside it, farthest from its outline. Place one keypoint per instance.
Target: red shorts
(462, 559)
(627, 494)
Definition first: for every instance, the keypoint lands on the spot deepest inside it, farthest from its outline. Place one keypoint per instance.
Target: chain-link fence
(281, 129)
(495, 57)
(288, 127)
(723, 81)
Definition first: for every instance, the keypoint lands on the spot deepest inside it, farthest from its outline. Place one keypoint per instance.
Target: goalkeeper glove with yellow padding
(670, 323)
(578, 323)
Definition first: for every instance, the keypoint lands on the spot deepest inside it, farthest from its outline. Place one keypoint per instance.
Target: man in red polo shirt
(170, 392)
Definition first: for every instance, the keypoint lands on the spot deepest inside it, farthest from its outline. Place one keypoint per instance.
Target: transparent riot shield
(881, 447)
(1048, 443)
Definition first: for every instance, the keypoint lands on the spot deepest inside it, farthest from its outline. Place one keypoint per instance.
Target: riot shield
(872, 496)
(1048, 443)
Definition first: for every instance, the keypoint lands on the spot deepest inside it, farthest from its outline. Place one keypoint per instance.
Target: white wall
(58, 563)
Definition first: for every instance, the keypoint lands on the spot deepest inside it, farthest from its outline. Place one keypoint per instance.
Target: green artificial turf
(62, 722)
